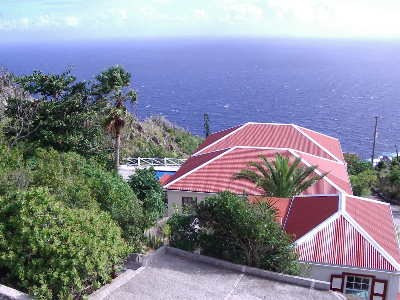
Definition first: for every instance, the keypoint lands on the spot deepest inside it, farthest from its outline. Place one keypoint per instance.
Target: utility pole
(206, 125)
(397, 153)
(373, 146)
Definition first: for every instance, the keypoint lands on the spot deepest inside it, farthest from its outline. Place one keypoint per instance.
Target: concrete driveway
(175, 277)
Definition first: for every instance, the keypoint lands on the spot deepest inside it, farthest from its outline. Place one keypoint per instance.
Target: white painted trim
(200, 154)
(324, 158)
(316, 195)
(199, 167)
(369, 200)
(348, 267)
(369, 238)
(342, 202)
(317, 171)
(394, 225)
(301, 127)
(315, 142)
(317, 228)
(288, 213)
(222, 138)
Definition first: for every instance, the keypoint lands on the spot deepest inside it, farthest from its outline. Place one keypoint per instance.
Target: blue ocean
(332, 86)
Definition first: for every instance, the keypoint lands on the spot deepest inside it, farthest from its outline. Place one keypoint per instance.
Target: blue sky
(26, 20)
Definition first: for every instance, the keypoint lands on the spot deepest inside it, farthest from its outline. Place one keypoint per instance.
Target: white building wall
(322, 272)
(175, 199)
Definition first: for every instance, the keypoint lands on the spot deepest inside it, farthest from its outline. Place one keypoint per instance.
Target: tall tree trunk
(117, 149)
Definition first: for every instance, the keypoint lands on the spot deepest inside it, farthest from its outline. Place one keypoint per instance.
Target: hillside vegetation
(67, 220)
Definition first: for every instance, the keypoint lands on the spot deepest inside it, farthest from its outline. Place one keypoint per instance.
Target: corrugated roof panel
(217, 176)
(269, 135)
(307, 212)
(214, 137)
(192, 163)
(337, 172)
(330, 143)
(281, 204)
(339, 243)
(376, 219)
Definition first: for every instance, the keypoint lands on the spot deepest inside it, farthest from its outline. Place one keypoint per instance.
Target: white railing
(154, 162)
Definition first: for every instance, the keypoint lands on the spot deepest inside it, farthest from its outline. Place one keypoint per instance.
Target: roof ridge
(200, 166)
(315, 142)
(302, 127)
(340, 190)
(222, 138)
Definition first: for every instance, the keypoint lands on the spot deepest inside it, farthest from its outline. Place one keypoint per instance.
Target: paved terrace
(175, 277)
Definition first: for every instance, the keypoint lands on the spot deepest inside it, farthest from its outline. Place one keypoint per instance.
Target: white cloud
(200, 13)
(239, 11)
(72, 21)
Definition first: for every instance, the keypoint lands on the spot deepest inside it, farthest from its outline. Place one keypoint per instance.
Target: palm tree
(278, 178)
(113, 87)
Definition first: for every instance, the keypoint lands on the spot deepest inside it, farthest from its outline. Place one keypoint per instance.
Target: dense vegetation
(383, 179)
(67, 220)
(229, 227)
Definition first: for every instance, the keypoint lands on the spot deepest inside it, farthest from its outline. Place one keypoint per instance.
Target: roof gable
(340, 243)
(217, 174)
(376, 219)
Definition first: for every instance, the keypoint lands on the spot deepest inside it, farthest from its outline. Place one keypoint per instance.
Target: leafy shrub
(355, 165)
(147, 188)
(81, 183)
(55, 252)
(245, 233)
(363, 182)
(183, 232)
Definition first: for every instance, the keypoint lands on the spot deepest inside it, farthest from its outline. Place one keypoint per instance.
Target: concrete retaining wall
(7, 293)
(300, 281)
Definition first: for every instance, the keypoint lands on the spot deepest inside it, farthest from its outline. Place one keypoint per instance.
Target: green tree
(147, 188)
(113, 86)
(280, 178)
(54, 252)
(355, 165)
(229, 227)
(363, 182)
(62, 114)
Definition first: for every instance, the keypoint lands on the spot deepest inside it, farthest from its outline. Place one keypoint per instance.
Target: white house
(347, 240)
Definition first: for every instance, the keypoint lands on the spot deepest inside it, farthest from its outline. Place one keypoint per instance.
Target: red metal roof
(330, 143)
(340, 243)
(216, 136)
(337, 172)
(193, 162)
(217, 176)
(164, 178)
(307, 212)
(266, 135)
(376, 219)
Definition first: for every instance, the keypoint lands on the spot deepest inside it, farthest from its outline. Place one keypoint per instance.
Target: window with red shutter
(337, 283)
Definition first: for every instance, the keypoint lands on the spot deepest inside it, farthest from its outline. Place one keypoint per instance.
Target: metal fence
(147, 162)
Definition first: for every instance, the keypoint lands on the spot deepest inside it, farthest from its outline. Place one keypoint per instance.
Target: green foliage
(183, 232)
(363, 182)
(63, 115)
(233, 229)
(389, 183)
(355, 165)
(279, 178)
(112, 86)
(147, 188)
(54, 252)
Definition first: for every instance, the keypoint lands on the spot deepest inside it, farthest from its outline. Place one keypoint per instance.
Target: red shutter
(337, 282)
(379, 289)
